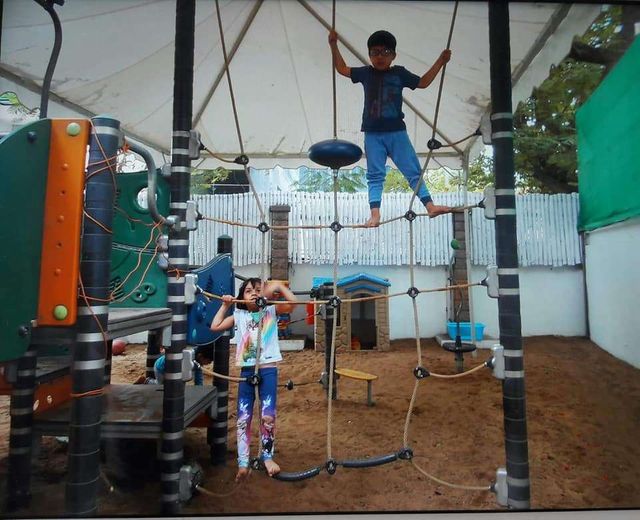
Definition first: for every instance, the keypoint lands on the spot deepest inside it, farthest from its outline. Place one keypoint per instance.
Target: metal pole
(88, 353)
(513, 386)
(171, 447)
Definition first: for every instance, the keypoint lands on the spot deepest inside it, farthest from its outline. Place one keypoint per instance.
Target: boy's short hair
(382, 39)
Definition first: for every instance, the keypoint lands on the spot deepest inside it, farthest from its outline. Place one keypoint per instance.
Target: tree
(544, 124)
(321, 180)
(202, 181)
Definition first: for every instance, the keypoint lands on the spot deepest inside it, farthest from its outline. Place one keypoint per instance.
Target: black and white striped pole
(513, 385)
(89, 352)
(21, 433)
(171, 446)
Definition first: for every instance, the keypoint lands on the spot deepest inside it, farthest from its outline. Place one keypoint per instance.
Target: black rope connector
(420, 372)
(261, 302)
(241, 159)
(331, 466)
(434, 144)
(405, 454)
(256, 464)
(478, 131)
(253, 380)
(263, 227)
(334, 301)
(289, 385)
(410, 215)
(336, 226)
(413, 291)
(314, 293)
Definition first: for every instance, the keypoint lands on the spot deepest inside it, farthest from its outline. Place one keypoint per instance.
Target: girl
(246, 319)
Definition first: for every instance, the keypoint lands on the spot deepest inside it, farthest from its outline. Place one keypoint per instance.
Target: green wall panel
(24, 162)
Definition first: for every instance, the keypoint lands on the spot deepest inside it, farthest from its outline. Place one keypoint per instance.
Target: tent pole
(172, 442)
(513, 386)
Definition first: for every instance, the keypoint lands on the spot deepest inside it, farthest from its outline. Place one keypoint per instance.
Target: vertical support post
(154, 344)
(513, 386)
(88, 353)
(172, 442)
(217, 433)
(107, 362)
(21, 433)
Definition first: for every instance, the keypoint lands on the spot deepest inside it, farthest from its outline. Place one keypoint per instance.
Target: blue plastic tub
(465, 330)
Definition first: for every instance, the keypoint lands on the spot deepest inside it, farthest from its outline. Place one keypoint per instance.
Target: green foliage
(321, 180)
(544, 124)
(202, 181)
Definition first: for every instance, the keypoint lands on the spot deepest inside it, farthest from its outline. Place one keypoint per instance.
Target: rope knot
(253, 380)
(434, 144)
(261, 302)
(255, 463)
(242, 159)
(420, 372)
(405, 454)
(331, 466)
(413, 291)
(263, 227)
(410, 215)
(336, 226)
(334, 301)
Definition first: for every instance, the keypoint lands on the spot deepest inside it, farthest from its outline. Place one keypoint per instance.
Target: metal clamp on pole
(491, 281)
(496, 363)
(190, 288)
(195, 144)
(500, 487)
(190, 479)
(488, 202)
(191, 217)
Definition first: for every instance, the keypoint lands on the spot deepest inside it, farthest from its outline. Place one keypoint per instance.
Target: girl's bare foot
(435, 211)
(271, 467)
(374, 219)
(243, 474)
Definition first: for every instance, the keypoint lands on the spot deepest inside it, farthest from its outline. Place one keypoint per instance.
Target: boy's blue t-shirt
(383, 96)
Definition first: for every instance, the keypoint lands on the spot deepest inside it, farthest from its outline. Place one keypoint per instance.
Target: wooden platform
(131, 411)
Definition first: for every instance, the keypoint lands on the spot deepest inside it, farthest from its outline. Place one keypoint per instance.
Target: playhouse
(363, 325)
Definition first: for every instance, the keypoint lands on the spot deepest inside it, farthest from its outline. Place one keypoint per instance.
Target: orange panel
(202, 421)
(58, 300)
(52, 394)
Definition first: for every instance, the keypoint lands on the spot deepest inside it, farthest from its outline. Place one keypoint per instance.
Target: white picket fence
(547, 230)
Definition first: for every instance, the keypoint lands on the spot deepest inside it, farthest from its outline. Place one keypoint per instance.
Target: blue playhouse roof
(360, 277)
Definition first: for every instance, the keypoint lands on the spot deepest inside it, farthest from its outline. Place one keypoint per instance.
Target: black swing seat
(370, 462)
(295, 476)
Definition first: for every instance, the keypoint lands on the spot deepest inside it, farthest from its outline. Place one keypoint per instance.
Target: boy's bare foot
(243, 474)
(374, 219)
(435, 211)
(271, 467)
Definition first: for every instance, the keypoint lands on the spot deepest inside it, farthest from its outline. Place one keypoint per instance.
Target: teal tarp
(608, 127)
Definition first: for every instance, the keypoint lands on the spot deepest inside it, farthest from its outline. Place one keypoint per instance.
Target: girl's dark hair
(254, 283)
(382, 39)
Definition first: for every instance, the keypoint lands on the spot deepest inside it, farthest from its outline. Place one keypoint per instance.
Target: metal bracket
(500, 487)
(496, 363)
(195, 145)
(162, 242)
(488, 203)
(165, 170)
(491, 281)
(191, 215)
(163, 261)
(190, 288)
(485, 128)
(188, 361)
(190, 479)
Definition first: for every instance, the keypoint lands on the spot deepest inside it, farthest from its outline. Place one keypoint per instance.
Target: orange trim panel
(58, 300)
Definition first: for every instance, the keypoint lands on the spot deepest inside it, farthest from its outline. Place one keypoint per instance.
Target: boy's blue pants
(380, 145)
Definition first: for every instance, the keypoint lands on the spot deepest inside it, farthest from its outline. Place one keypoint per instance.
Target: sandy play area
(583, 409)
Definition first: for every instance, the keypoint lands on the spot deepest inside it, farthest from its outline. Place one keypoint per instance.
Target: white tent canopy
(117, 58)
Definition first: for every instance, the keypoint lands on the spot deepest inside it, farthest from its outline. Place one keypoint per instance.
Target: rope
(445, 483)
(333, 75)
(205, 491)
(462, 374)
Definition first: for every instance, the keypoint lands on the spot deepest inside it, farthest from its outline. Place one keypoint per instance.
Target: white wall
(552, 299)
(612, 258)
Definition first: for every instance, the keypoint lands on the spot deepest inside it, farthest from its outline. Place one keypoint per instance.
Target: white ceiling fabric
(117, 58)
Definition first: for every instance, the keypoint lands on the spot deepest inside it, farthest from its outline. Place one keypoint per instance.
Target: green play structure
(609, 146)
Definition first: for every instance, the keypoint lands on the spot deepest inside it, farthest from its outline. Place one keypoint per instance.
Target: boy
(203, 355)
(385, 133)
